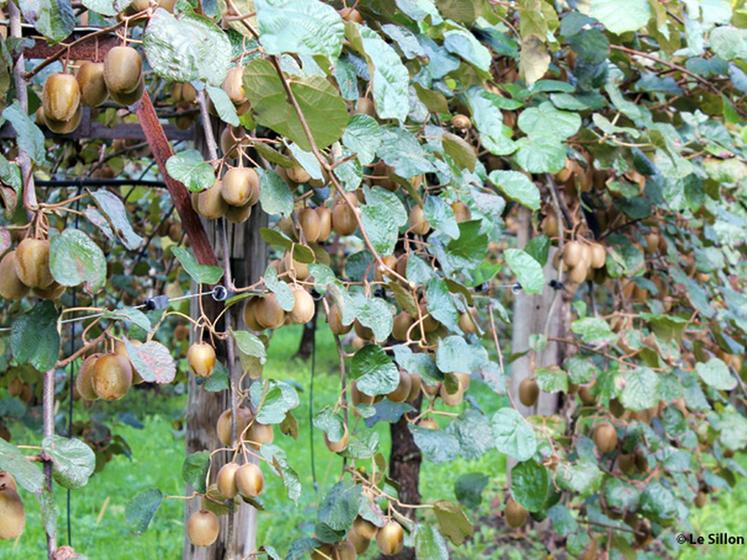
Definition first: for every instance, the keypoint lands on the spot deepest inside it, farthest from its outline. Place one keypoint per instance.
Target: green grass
(98, 524)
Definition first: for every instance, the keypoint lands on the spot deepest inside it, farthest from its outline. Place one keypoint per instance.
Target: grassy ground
(98, 525)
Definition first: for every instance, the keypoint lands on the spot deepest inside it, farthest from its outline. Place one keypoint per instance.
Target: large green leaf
(141, 509)
(382, 216)
(116, 212)
(401, 150)
(190, 168)
(277, 458)
(153, 361)
(273, 400)
(72, 460)
(440, 304)
(429, 543)
(517, 186)
(729, 42)
(528, 271)
(374, 371)
(514, 436)
(195, 468)
(531, 485)
(27, 474)
(320, 103)
(362, 136)
(190, 47)
(540, 154)
(75, 259)
(103, 7)
(55, 19)
(464, 44)
(374, 313)
(715, 373)
(275, 196)
(299, 26)
(339, 507)
(34, 338)
(620, 16)
(468, 489)
(30, 138)
(640, 390)
(487, 116)
(452, 521)
(200, 273)
(546, 120)
(440, 216)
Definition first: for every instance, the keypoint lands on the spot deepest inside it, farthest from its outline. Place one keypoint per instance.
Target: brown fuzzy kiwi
(343, 219)
(383, 176)
(467, 323)
(12, 514)
(250, 480)
(573, 253)
(90, 79)
(528, 391)
(418, 224)
(351, 14)
(598, 255)
(60, 97)
(416, 386)
(52, 292)
(364, 332)
(129, 97)
(626, 462)
(341, 444)
(64, 127)
(549, 226)
(297, 270)
(84, 379)
(451, 399)
(11, 286)
(701, 499)
(390, 538)
(325, 222)
(359, 397)
(249, 314)
(359, 543)
(297, 174)
(402, 323)
(210, 202)
(303, 308)
(201, 359)
(402, 391)
(364, 528)
(577, 274)
(586, 396)
(268, 312)
(428, 424)
(365, 106)
(310, 224)
(334, 320)
(32, 263)
(223, 425)
(112, 377)
(227, 480)
(203, 527)
(233, 85)
(461, 122)
(259, 434)
(240, 186)
(461, 212)
(123, 69)
(239, 214)
(516, 514)
(183, 93)
(605, 437)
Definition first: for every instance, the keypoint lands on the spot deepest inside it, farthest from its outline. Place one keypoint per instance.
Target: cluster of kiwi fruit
(248, 429)
(107, 376)
(25, 269)
(581, 259)
(390, 540)
(12, 514)
(265, 312)
(120, 77)
(231, 197)
(184, 95)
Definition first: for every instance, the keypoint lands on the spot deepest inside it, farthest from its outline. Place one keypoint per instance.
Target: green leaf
(362, 137)
(514, 436)
(469, 249)
(141, 509)
(389, 77)
(129, 314)
(189, 167)
(464, 44)
(374, 371)
(454, 354)
(30, 138)
(659, 503)
(460, 151)
(27, 474)
(282, 291)
(583, 478)
(195, 468)
(542, 154)
(324, 110)
(186, 49)
(103, 7)
(440, 216)
(374, 313)
(250, 345)
(55, 19)
(488, 119)
(73, 461)
(200, 273)
(452, 521)
(534, 60)
(640, 390)
(593, 330)
(468, 489)
(732, 428)
(440, 304)
(339, 507)
(621, 16)
(420, 9)
(34, 338)
(223, 106)
(114, 209)
(716, 374)
(275, 196)
(401, 150)
(545, 120)
(517, 186)
(729, 42)
(382, 216)
(528, 271)
(308, 161)
(153, 361)
(531, 485)
(276, 457)
(299, 26)
(551, 379)
(429, 543)
(621, 495)
(437, 446)
(75, 259)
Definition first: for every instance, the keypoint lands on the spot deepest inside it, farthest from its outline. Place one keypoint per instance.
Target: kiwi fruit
(364, 332)
(249, 480)
(7, 481)
(416, 385)
(598, 255)
(84, 379)
(91, 82)
(461, 122)
(390, 538)
(210, 202)
(325, 222)
(586, 396)
(240, 186)
(303, 308)
(605, 437)
(63, 127)
(259, 434)
(11, 286)
(297, 174)
(12, 514)
(249, 313)
(461, 211)
(227, 480)
(358, 397)
(365, 106)
(334, 320)
(528, 391)
(383, 176)
(340, 445)
(112, 377)
(268, 313)
(573, 253)
(428, 424)
(203, 527)
(123, 70)
(298, 270)
(626, 462)
(223, 426)
(467, 323)
(577, 274)
(343, 219)
(32, 263)
(351, 15)
(364, 528)
(701, 499)
(60, 97)
(52, 292)
(418, 224)
(451, 399)
(239, 214)
(233, 85)
(402, 391)
(310, 224)
(129, 97)
(402, 323)
(183, 93)
(549, 226)
(201, 359)
(516, 514)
